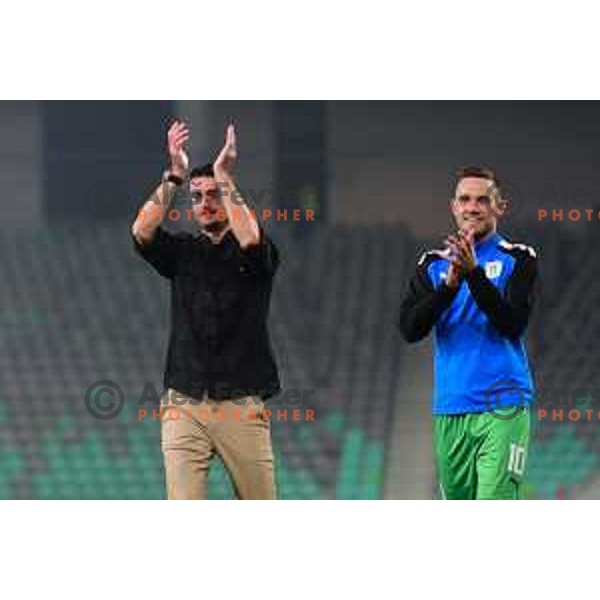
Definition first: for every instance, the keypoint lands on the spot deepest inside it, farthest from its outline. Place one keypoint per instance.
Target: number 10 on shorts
(516, 460)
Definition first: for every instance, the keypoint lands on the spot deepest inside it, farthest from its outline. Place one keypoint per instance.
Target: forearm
(419, 314)
(153, 212)
(510, 320)
(243, 223)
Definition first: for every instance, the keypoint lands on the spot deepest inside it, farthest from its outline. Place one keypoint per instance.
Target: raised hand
(228, 155)
(462, 250)
(177, 136)
(455, 274)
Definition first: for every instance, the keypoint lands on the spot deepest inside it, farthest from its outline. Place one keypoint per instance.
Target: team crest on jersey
(493, 269)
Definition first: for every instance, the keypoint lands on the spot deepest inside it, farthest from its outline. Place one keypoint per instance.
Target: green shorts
(481, 456)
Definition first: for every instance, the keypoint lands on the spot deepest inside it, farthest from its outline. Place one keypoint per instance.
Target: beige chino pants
(193, 431)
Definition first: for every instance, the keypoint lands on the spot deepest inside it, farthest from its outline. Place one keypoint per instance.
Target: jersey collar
(489, 242)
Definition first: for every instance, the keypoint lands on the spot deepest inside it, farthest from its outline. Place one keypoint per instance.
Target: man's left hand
(226, 160)
(463, 249)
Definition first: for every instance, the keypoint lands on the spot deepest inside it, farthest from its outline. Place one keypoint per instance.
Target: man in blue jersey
(477, 292)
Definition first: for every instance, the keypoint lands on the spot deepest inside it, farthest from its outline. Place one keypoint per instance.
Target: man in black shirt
(220, 367)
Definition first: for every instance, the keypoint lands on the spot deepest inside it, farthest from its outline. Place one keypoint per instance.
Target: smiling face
(476, 206)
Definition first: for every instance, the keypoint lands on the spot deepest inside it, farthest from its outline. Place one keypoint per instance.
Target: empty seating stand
(80, 307)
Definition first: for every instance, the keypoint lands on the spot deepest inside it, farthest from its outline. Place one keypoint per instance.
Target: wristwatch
(169, 177)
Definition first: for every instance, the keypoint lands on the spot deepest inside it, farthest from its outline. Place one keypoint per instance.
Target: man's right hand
(154, 209)
(177, 136)
(454, 275)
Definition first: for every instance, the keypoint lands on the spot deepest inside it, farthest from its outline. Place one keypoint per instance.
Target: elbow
(139, 235)
(514, 331)
(412, 337)
(513, 327)
(250, 239)
(249, 243)
(135, 230)
(409, 332)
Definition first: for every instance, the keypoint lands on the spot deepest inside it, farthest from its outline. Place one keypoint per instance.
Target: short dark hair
(477, 171)
(203, 171)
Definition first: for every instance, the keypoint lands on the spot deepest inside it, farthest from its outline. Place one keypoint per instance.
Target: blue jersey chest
(498, 267)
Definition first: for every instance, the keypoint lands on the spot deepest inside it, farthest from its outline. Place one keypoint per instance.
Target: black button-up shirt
(220, 296)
